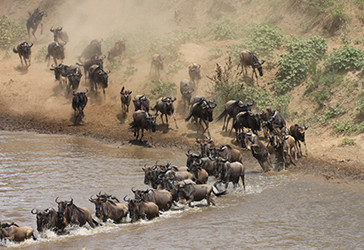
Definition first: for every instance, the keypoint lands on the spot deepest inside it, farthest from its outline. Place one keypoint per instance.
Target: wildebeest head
(103, 76)
(43, 218)
(207, 109)
(133, 207)
(219, 167)
(99, 201)
(191, 157)
(62, 206)
(125, 95)
(168, 102)
(152, 122)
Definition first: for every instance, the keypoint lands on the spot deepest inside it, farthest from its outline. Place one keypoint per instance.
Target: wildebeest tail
(188, 117)
(221, 115)
(14, 50)
(96, 223)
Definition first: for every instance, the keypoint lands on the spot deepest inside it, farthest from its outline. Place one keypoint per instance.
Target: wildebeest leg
(175, 121)
(142, 134)
(305, 147)
(243, 179)
(21, 59)
(103, 90)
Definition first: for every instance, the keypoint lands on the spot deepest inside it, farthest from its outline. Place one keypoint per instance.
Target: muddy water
(276, 210)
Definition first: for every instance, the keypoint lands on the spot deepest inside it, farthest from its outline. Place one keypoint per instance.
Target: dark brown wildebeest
(116, 50)
(249, 59)
(91, 50)
(125, 99)
(229, 172)
(166, 107)
(273, 120)
(156, 66)
(34, 20)
(142, 120)
(74, 215)
(202, 110)
(79, 102)
(203, 162)
(247, 120)
(162, 198)
(48, 220)
(186, 91)
(62, 71)
(141, 102)
(74, 80)
(107, 207)
(298, 134)
(16, 233)
(258, 149)
(231, 109)
(94, 60)
(194, 73)
(56, 51)
(24, 51)
(98, 77)
(139, 209)
(60, 36)
(228, 153)
(196, 192)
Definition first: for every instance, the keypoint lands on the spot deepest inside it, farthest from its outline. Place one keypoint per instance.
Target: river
(277, 210)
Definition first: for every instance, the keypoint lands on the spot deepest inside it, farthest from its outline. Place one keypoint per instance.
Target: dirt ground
(31, 100)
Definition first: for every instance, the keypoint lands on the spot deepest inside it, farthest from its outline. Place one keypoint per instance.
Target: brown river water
(277, 211)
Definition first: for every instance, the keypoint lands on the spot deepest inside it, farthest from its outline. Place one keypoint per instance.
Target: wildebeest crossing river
(276, 211)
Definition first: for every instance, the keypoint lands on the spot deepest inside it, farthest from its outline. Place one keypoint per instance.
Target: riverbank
(330, 169)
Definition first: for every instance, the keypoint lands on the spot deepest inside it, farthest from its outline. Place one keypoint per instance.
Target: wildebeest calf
(125, 99)
(79, 102)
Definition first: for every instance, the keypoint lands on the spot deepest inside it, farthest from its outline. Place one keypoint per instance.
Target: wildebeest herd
(169, 184)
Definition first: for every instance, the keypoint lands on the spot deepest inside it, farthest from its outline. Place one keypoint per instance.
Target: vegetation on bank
(10, 33)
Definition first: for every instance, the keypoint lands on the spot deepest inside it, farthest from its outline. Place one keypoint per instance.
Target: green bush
(161, 89)
(227, 84)
(262, 39)
(10, 33)
(347, 142)
(214, 53)
(348, 127)
(332, 112)
(130, 70)
(301, 59)
(175, 66)
(344, 59)
(224, 29)
(41, 54)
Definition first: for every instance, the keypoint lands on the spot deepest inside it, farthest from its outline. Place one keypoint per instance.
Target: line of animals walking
(170, 184)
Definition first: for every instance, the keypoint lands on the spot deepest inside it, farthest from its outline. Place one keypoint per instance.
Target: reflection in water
(276, 211)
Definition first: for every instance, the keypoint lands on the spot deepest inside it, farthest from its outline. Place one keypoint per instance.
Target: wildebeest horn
(36, 211)
(262, 62)
(132, 189)
(51, 30)
(57, 200)
(91, 199)
(127, 200)
(59, 28)
(71, 201)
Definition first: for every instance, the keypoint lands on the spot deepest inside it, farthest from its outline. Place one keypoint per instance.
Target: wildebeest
(59, 35)
(202, 110)
(94, 60)
(16, 233)
(194, 73)
(206, 145)
(196, 192)
(247, 120)
(166, 107)
(203, 162)
(156, 66)
(97, 77)
(91, 50)
(229, 172)
(55, 50)
(162, 198)
(139, 209)
(62, 71)
(79, 102)
(142, 120)
(258, 149)
(125, 99)
(73, 214)
(108, 208)
(186, 91)
(34, 20)
(231, 109)
(116, 50)
(200, 174)
(298, 134)
(48, 220)
(228, 153)
(74, 80)
(24, 51)
(248, 58)
(273, 120)
(141, 102)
